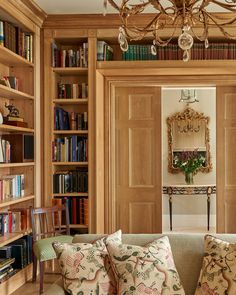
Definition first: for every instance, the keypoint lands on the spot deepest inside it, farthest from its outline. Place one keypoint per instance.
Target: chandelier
(184, 14)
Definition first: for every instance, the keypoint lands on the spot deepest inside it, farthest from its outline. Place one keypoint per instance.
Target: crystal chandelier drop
(186, 15)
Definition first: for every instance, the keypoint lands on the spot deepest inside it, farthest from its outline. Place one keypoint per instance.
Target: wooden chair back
(50, 221)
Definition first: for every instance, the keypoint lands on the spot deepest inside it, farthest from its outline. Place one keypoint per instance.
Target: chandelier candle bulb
(183, 15)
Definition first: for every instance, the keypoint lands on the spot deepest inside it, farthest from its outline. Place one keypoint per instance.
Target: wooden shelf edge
(5, 127)
(11, 237)
(16, 281)
(78, 226)
(70, 70)
(12, 201)
(70, 195)
(11, 165)
(70, 163)
(70, 100)
(8, 92)
(70, 132)
(9, 57)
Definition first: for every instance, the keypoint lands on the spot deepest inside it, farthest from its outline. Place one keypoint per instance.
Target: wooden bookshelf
(11, 237)
(65, 132)
(8, 92)
(81, 164)
(79, 195)
(70, 71)
(9, 58)
(10, 128)
(72, 101)
(14, 165)
(27, 100)
(13, 201)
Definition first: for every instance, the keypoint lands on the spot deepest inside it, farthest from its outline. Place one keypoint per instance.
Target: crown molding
(31, 10)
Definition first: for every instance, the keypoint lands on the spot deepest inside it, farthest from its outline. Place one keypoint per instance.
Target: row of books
(11, 186)
(70, 149)
(104, 51)
(10, 81)
(71, 57)
(70, 182)
(78, 209)
(16, 39)
(138, 52)
(5, 151)
(75, 90)
(6, 268)
(64, 120)
(173, 52)
(14, 220)
(18, 254)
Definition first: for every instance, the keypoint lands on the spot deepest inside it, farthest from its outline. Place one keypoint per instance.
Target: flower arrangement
(189, 162)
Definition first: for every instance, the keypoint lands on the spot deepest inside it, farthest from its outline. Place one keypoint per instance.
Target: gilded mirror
(188, 131)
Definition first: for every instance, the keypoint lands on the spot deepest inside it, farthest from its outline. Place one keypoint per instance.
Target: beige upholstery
(187, 251)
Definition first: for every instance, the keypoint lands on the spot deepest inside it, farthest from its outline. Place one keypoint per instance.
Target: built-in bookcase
(19, 176)
(68, 123)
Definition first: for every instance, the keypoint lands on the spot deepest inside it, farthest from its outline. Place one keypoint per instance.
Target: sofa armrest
(56, 288)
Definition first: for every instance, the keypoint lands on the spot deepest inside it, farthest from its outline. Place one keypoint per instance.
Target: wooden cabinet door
(226, 159)
(136, 159)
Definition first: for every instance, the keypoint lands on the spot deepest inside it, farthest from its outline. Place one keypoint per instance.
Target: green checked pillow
(85, 268)
(145, 270)
(218, 273)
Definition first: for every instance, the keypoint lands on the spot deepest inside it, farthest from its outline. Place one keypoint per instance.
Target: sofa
(187, 249)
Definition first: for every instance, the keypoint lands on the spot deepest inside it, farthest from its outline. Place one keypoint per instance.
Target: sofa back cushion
(187, 249)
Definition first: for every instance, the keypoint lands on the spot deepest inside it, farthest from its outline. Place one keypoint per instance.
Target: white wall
(188, 210)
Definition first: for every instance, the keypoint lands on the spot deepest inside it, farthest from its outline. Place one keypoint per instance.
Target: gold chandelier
(184, 14)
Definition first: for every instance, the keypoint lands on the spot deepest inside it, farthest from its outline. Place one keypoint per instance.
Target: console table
(186, 189)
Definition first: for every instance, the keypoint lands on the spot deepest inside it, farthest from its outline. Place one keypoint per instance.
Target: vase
(189, 178)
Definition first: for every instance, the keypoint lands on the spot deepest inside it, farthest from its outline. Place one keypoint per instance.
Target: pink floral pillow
(148, 270)
(86, 268)
(218, 273)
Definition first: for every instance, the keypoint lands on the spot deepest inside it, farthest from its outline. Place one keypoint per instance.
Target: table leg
(170, 209)
(208, 211)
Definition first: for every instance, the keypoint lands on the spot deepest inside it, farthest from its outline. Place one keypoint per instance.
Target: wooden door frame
(109, 78)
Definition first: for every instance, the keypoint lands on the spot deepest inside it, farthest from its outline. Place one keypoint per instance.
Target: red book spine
(74, 212)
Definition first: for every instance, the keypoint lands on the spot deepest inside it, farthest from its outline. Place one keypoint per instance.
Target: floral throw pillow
(86, 268)
(145, 270)
(218, 273)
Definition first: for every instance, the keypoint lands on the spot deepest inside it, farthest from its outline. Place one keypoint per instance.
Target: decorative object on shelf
(189, 162)
(188, 96)
(13, 117)
(185, 15)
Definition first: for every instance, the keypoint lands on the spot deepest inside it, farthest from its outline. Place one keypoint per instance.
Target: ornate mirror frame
(187, 115)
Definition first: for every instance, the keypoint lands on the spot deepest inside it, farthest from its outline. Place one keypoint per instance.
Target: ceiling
(84, 6)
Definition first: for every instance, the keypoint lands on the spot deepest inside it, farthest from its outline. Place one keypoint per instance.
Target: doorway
(191, 141)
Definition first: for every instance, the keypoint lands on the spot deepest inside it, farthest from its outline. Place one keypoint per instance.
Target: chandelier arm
(114, 5)
(204, 35)
(220, 27)
(230, 7)
(157, 5)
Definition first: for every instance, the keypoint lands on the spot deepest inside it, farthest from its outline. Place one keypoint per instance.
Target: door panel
(226, 159)
(135, 159)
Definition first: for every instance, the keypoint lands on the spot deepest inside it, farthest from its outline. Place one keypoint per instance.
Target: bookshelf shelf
(9, 128)
(8, 92)
(79, 132)
(12, 165)
(9, 58)
(17, 280)
(71, 195)
(70, 101)
(70, 71)
(12, 201)
(81, 164)
(78, 226)
(11, 237)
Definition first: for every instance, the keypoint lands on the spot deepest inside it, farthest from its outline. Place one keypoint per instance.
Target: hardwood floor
(33, 288)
